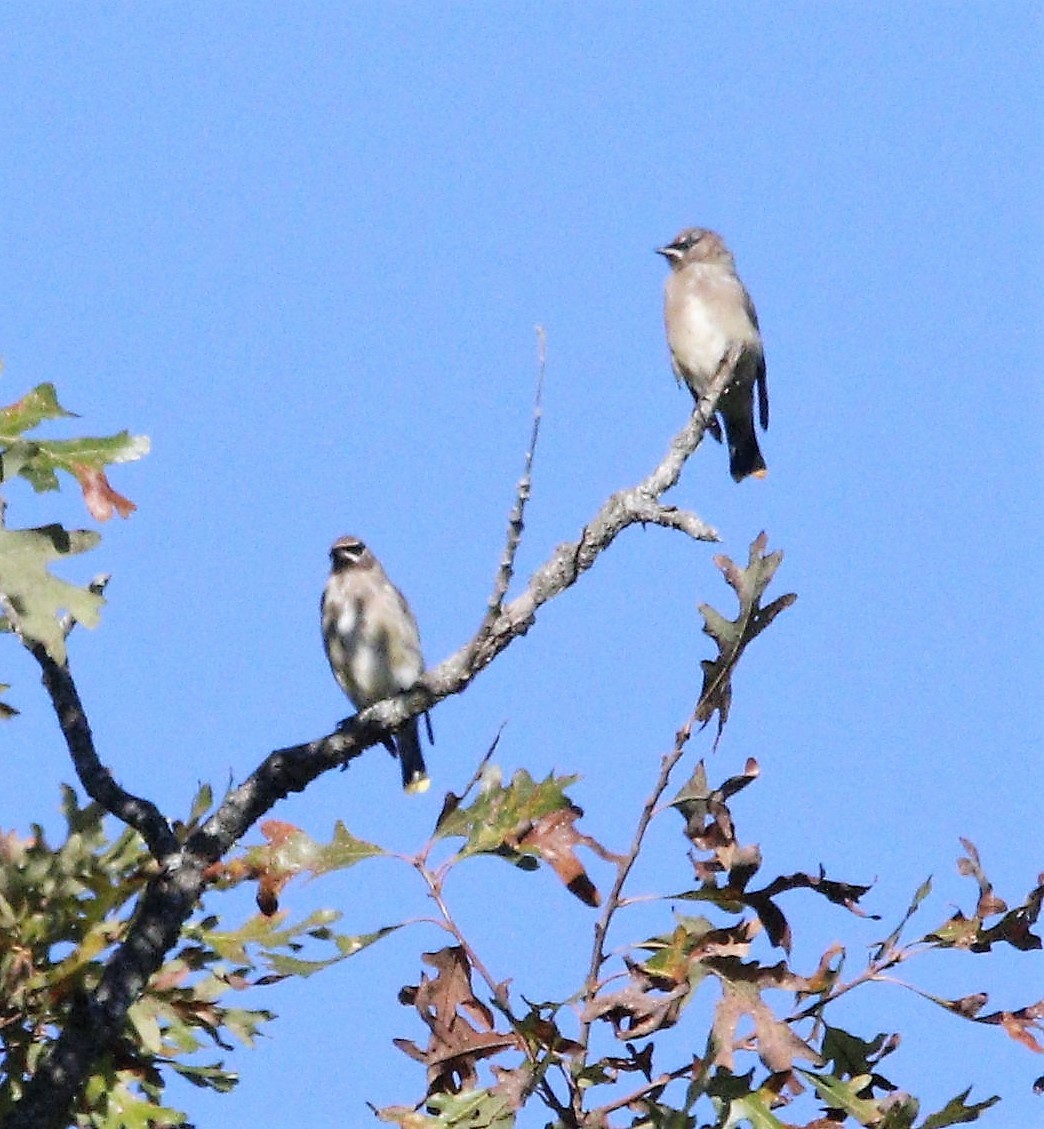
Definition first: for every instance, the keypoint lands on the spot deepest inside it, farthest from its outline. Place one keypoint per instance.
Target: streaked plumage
(707, 311)
(373, 644)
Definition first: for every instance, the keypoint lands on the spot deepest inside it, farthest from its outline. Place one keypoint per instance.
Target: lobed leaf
(500, 814)
(289, 851)
(845, 1095)
(734, 636)
(751, 1108)
(461, 1027)
(31, 410)
(39, 460)
(957, 1111)
(34, 598)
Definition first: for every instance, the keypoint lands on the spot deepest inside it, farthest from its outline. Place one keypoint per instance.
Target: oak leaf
(734, 635)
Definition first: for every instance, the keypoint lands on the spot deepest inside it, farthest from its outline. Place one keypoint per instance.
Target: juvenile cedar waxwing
(372, 644)
(707, 311)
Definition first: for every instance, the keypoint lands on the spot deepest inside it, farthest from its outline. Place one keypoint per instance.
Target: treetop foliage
(118, 970)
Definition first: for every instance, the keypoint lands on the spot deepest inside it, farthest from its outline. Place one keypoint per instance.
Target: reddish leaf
(99, 496)
(1022, 1024)
(278, 832)
(287, 852)
(554, 838)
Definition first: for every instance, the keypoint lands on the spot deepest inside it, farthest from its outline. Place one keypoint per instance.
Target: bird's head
(695, 245)
(350, 552)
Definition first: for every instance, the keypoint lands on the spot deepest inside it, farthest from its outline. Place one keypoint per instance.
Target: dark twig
(142, 815)
(480, 768)
(96, 779)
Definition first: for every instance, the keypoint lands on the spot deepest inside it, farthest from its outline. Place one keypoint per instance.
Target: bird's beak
(668, 252)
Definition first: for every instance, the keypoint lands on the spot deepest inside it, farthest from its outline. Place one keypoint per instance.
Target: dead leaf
(554, 838)
(989, 903)
(1021, 1025)
(460, 1025)
(98, 494)
(514, 1086)
(639, 1009)
(776, 1044)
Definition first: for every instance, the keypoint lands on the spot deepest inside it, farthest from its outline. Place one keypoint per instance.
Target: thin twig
(873, 971)
(636, 1095)
(523, 491)
(614, 898)
(637, 505)
(487, 756)
(623, 870)
(500, 998)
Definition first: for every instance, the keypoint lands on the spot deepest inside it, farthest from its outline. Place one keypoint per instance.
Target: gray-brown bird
(373, 644)
(707, 311)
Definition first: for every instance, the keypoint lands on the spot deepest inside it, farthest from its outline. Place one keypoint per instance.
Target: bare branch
(639, 505)
(525, 485)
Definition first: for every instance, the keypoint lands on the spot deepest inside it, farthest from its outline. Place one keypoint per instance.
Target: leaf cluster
(64, 907)
(32, 600)
(770, 1045)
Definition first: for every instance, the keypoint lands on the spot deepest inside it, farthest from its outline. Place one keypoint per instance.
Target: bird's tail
(745, 457)
(411, 759)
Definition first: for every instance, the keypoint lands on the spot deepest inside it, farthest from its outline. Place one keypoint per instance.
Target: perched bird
(372, 644)
(707, 311)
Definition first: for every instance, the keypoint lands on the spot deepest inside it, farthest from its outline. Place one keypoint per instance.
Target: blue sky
(304, 248)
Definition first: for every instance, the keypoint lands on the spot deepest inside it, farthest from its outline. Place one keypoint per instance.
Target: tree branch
(171, 897)
(96, 779)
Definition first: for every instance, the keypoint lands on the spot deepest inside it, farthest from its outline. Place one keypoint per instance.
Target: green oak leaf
(33, 598)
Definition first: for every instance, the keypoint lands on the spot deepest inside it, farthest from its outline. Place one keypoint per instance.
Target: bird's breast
(372, 643)
(705, 311)
(696, 337)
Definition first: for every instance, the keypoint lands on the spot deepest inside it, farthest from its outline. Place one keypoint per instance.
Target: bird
(373, 645)
(707, 312)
